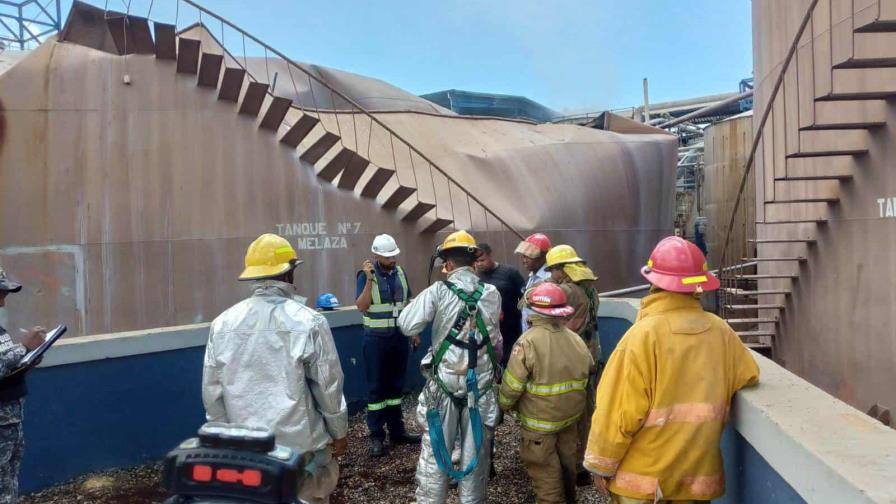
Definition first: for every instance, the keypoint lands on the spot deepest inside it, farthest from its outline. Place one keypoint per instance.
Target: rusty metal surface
(838, 329)
(143, 198)
(726, 148)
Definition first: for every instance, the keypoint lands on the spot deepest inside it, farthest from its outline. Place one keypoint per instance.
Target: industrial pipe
(707, 110)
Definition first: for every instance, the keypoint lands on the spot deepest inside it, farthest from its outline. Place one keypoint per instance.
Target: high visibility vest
(382, 316)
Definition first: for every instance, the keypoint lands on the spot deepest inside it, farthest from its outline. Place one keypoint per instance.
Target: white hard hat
(385, 246)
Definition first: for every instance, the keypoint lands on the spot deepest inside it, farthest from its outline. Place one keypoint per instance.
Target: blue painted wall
(749, 478)
(121, 412)
(107, 413)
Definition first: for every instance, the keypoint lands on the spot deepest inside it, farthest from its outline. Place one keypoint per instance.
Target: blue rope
(437, 437)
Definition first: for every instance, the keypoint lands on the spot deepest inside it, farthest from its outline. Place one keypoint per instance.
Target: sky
(571, 55)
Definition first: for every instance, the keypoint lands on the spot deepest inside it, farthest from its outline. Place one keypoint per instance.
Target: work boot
(377, 448)
(404, 438)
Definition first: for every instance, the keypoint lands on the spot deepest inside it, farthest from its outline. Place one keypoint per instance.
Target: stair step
(813, 143)
(419, 210)
(795, 221)
(319, 148)
(376, 183)
(748, 293)
(336, 165)
(232, 84)
(253, 99)
(187, 55)
(867, 50)
(437, 225)
(841, 177)
(877, 16)
(849, 114)
(210, 69)
(765, 277)
(141, 35)
(761, 320)
(398, 196)
(299, 130)
(166, 41)
(757, 333)
(782, 240)
(755, 307)
(353, 171)
(773, 259)
(804, 200)
(273, 116)
(122, 37)
(862, 83)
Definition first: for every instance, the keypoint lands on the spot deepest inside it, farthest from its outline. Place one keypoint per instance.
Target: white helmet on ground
(385, 246)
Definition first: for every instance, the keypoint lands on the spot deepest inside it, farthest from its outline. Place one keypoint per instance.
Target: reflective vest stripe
(376, 406)
(380, 315)
(555, 389)
(547, 425)
(513, 382)
(379, 323)
(393, 402)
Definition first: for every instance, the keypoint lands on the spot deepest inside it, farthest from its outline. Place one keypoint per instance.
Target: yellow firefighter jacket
(663, 401)
(546, 377)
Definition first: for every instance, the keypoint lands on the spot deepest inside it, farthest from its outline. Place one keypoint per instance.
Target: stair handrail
(643, 287)
(757, 135)
(354, 104)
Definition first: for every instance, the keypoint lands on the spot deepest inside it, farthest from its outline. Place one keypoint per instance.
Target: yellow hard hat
(459, 239)
(269, 256)
(562, 254)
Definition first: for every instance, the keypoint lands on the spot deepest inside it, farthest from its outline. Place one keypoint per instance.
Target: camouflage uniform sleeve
(10, 354)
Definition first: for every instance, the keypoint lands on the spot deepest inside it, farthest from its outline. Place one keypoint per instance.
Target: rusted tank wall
(838, 329)
(131, 206)
(726, 147)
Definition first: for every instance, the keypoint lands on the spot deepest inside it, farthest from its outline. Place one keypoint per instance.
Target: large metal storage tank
(726, 147)
(130, 205)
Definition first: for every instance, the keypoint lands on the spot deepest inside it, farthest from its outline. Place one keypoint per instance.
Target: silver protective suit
(437, 304)
(271, 361)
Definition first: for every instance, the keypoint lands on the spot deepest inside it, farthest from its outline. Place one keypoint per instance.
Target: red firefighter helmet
(677, 265)
(535, 245)
(549, 299)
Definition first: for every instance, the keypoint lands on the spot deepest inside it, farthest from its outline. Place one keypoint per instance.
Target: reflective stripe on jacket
(546, 377)
(663, 400)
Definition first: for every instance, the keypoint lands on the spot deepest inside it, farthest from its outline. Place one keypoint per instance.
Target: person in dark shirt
(510, 285)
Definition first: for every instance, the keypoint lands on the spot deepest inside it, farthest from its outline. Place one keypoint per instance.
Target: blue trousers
(385, 363)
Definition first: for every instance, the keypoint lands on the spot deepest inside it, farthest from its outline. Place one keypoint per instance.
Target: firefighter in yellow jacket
(570, 272)
(664, 396)
(545, 382)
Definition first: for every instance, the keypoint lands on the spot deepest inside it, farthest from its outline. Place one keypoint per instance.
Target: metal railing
(337, 113)
(731, 251)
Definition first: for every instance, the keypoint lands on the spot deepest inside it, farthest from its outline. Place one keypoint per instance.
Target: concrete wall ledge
(160, 339)
(825, 449)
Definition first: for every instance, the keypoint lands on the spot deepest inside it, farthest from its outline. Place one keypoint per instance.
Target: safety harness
(472, 346)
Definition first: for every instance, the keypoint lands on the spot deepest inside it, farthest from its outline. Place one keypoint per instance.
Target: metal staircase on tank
(345, 143)
(829, 97)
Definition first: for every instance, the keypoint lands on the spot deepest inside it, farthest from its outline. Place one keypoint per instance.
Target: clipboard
(33, 357)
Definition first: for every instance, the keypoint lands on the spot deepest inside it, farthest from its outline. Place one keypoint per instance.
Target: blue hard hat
(327, 301)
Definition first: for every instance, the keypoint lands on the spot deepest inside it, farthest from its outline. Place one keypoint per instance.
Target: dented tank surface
(131, 206)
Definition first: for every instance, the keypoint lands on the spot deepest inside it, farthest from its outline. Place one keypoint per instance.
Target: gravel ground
(362, 479)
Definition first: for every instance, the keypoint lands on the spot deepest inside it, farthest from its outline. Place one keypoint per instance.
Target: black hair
(485, 248)
(461, 257)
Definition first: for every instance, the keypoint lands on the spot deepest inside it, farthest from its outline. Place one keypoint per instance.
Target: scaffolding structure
(25, 23)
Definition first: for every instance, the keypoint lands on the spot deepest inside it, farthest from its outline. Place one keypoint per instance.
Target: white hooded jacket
(271, 361)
